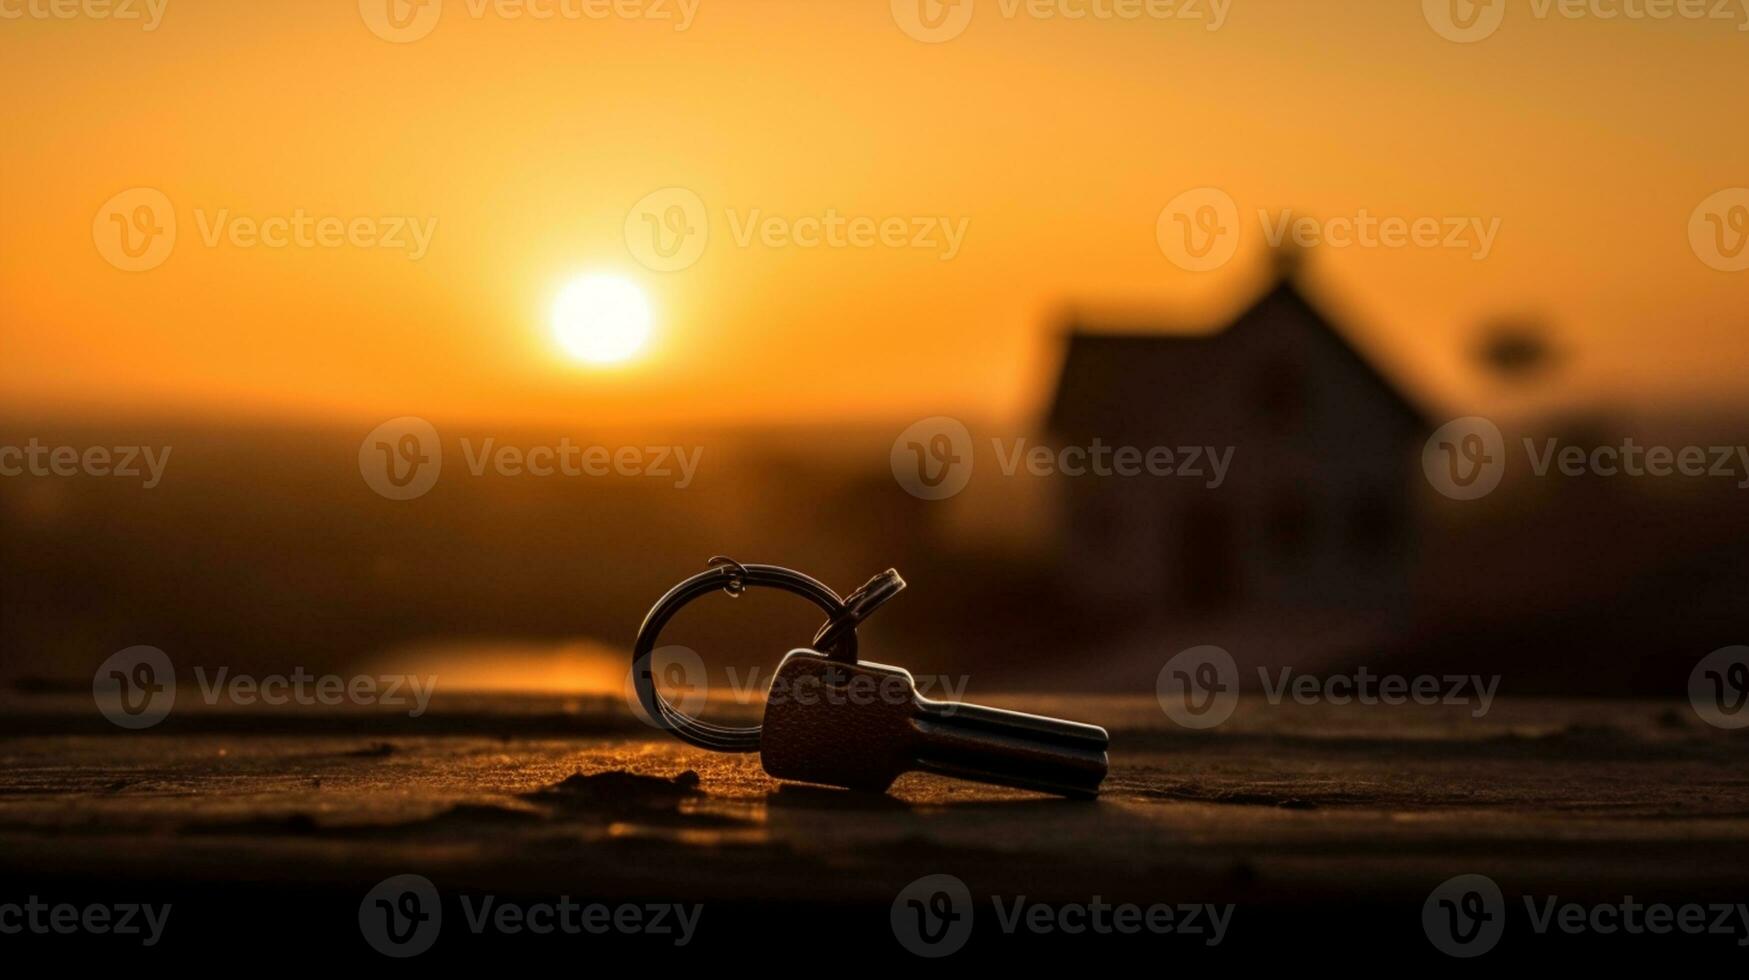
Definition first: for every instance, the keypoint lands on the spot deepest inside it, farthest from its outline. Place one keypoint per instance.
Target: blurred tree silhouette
(1516, 351)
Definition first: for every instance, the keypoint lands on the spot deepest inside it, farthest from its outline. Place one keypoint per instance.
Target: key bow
(837, 637)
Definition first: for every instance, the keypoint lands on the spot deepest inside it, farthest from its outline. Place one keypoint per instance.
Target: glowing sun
(602, 320)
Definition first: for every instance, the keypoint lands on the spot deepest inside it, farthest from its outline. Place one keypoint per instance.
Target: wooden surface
(1289, 807)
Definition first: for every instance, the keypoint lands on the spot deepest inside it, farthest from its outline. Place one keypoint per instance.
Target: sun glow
(602, 320)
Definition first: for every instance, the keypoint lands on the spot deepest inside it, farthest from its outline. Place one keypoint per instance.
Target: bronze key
(862, 725)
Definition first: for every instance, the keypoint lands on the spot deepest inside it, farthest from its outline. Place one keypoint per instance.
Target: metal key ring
(733, 578)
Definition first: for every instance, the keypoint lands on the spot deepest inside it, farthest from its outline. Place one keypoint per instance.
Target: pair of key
(833, 720)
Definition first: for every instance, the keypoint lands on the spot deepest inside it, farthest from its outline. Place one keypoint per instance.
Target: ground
(1317, 821)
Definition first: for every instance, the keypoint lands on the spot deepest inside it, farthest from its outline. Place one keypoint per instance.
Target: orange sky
(1057, 142)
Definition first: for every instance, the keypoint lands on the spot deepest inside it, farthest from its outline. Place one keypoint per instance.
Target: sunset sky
(1053, 143)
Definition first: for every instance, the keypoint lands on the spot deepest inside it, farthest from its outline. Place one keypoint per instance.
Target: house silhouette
(1308, 544)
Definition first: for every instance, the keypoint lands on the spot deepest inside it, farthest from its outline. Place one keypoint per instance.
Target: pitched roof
(1110, 369)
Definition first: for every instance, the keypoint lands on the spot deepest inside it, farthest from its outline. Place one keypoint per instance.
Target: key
(862, 725)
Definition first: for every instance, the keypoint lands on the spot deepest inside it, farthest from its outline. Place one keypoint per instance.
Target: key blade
(1010, 748)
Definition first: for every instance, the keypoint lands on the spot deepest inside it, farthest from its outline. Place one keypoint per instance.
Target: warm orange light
(602, 320)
